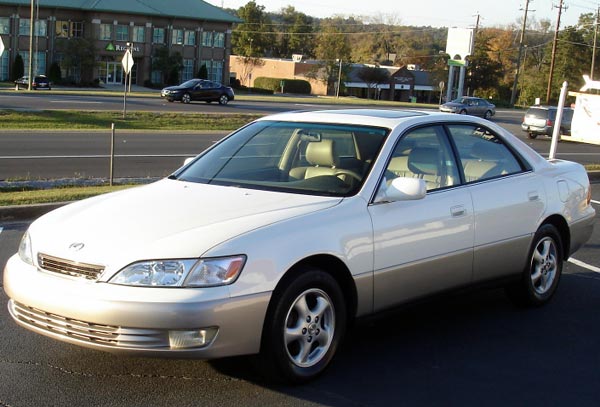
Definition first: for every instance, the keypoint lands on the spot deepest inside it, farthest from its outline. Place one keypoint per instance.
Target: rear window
(536, 112)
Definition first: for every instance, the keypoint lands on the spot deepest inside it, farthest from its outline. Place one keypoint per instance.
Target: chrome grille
(69, 268)
(88, 332)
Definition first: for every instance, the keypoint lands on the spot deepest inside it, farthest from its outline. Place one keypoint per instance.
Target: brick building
(200, 32)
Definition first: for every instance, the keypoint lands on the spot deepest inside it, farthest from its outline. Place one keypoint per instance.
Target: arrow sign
(127, 62)
(1, 46)
(589, 84)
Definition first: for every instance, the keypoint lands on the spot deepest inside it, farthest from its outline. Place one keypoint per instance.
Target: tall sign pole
(31, 26)
(594, 48)
(127, 63)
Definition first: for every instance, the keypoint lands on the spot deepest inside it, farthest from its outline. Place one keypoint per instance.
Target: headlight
(25, 251)
(181, 273)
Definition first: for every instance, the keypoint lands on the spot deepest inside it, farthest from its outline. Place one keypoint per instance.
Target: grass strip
(63, 194)
(71, 119)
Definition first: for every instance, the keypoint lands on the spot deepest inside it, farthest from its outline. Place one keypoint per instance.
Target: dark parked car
(199, 89)
(39, 82)
(539, 120)
(470, 105)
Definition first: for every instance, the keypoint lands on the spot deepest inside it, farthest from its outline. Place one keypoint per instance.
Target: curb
(30, 212)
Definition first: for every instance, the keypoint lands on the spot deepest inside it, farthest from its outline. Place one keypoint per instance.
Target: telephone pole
(523, 27)
(549, 90)
(594, 48)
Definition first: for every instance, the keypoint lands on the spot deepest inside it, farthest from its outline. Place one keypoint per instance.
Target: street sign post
(127, 63)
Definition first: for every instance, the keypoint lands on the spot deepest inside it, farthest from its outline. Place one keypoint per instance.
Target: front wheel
(303, 328)
(463, 111)
(487, 115)
(543, 270)
(223, 100)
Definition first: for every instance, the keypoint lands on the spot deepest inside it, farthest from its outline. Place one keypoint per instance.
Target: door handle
(533, 196)
(458, 210)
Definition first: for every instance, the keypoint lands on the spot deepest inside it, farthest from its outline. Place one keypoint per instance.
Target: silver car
(273, 240)
(470, 105)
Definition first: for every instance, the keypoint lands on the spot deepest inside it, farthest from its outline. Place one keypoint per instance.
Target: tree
(331, 48)
(169, 65)
(203, 72)
(484, 73)
(18, 68)
(296, 36)
(248, 66)
(54, 73)
(79, 58)
(372, 76)
(253, 37)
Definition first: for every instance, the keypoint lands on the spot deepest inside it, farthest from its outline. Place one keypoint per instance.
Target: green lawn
(63, 194)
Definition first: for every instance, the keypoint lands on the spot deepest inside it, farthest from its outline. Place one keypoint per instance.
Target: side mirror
(402, 189)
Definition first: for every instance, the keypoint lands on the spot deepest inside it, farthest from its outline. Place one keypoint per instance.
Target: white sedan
(274, 239)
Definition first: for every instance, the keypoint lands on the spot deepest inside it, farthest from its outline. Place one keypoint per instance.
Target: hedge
(297, 86)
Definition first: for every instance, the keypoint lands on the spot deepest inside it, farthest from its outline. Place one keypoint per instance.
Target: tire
(462, 112)
(223, 100)
(304, 327)
(541, 276)
(186, 98)
(531, 135)
(487, 115)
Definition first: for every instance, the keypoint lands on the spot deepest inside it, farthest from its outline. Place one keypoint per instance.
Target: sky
(436, 13)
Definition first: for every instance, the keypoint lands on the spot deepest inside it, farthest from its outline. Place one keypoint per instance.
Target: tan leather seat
(424, 163)
(322, 159)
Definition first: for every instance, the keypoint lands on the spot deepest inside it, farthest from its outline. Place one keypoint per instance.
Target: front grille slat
(69, 267)
(107, 335)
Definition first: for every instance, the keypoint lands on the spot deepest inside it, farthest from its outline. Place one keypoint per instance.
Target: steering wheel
(341, 171)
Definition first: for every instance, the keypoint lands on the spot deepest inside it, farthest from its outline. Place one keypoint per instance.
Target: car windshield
(190, 83)
(305, 158)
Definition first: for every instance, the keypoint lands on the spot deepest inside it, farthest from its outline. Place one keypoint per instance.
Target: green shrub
(297, 86)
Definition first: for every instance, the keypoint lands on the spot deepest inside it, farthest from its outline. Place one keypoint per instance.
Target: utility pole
(549, 90)
(594, 48)
(523, 27)
(30, 68)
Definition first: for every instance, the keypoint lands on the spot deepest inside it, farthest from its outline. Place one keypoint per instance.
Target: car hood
(167, 219)
(175, 88)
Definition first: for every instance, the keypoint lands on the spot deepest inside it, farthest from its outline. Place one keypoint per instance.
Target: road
(473, 349)
(33, 155)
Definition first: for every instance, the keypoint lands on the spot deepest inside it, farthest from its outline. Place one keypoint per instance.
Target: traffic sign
(1, 46)
(127, 62)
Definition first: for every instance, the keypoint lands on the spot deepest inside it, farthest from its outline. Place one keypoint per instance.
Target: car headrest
(424, 160)
(484, 150)
(321, 153)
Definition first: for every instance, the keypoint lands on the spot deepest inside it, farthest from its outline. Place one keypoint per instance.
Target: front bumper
(132, 320)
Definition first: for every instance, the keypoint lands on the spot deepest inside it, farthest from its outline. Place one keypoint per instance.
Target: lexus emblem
(76, 246)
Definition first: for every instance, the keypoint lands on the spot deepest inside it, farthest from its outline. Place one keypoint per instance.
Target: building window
(177, 37)
(158, 36)
(139, 34)
(207, 38)
(215, 70)
(77, 29)
(4, 25)
(188, 70)
(156, 77)
(106, 31)
(219, 40)
(122, 32)
(39, 62)
(4, 67)
(66, 29)
(190, 37)
(40, 28)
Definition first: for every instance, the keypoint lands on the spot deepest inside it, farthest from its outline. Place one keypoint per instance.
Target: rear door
(508, 200)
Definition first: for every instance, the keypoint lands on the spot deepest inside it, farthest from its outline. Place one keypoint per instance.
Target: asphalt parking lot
(471, 349)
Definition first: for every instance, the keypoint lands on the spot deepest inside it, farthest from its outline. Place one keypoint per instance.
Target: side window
(483, 155)
(424, 153)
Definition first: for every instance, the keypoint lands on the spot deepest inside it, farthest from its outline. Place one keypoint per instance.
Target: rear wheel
(531, 135)
(186, 98)
(223, 100)
(542, 273)
(303, 328)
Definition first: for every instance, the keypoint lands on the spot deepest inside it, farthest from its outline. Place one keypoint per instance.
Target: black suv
(540, 120)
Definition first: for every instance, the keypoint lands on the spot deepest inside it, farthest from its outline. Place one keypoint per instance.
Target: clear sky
(437, 13)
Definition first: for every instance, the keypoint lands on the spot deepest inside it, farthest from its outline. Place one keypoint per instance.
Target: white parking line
(585, 265)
